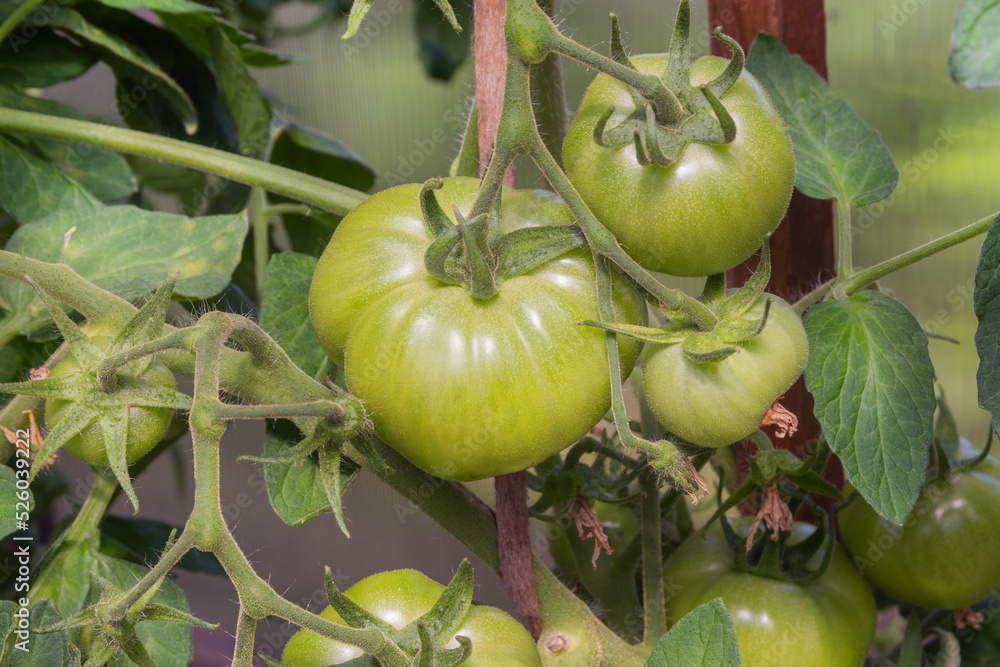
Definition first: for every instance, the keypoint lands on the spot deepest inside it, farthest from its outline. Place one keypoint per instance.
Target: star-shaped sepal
(108, 400)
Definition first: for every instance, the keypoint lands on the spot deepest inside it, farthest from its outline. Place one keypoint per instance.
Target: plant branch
(655, 615)
(246, 631)
(15, 17)
(842, 249)
(866, 277)
(316, 191)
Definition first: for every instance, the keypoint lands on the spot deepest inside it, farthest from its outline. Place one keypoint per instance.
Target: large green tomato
(401, 597)
(947, 553)
(465, 388)
(828, 622)
(708, 211)
(145, 425)
(717, 403)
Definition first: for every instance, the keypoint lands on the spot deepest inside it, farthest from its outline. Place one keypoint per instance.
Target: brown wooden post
(802, 247)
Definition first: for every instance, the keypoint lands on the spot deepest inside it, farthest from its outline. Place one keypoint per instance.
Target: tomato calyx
(947, 443)
(98, 393)
(424, 638)
(477, 254)
(663, 126)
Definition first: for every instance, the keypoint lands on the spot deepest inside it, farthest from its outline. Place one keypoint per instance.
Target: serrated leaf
(974, 60)
(43, 650)
(194, 27)
(166, 6)
(871, 376)
(706, 636)
(249, 109)
(837, 155)
(129, 62)
(294, 489)
(103, 173)
(147, 247)
(168, 644)
(312, 152)
(10, 497)
(987, 305)
(31, 188)
(284, 311)
(44, 60)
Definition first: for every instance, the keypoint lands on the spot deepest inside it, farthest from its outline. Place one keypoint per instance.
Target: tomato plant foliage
(460, 329)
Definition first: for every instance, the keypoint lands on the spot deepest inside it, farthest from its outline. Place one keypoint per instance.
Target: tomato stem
(315, 191)
(11, 21)
(246, 630)
(842, 249)
(862, 279)
(655, 615)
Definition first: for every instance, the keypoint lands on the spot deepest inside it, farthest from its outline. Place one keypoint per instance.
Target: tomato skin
(145, 425)
(718, 403)
(708, 211)
(829, 622)
(401, 597)
(464, 388)
(947, 553)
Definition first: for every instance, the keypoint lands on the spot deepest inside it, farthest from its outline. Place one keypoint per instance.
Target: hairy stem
(246, 631)
(283, 181)
(548, 96)
(842, 227)
(866, 277)
(655, 616)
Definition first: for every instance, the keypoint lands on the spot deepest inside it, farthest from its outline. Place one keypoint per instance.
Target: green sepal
(74, 420)
(435, 219)
(439, 657)
(481, 283)
(965, 464)
(449, 14)
(330, 477)
(648, 334)
(114, 425)
(726, 122)
(721, 84)
(525, 249)
(739, 330)
(677, 75)
(946, 428)
(746, 296)
(446, 616)
(441, 253)
(350, 612)
(617, 45)
(81, 346)
(703, 347)
(145, 326)
(467, 162)
(154, 611)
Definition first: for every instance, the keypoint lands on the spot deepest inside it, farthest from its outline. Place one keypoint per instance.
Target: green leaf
(142, 540)
(168, 644)
(295, 490)
(284, 311)
(13, 501)
(44, 60)
(31, 188)
(69, 589)
(43, 650)
(974, 60)
(129, 62)
(837, 155)
(706, 636)
(987, 305)
(310, 151)
(146, 246)
(102, 172)
(871, 375)
(166, 6)
(251, 112)
(442, 49)
(358, 11)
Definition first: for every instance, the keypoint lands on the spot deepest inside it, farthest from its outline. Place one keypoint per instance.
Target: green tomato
(145, 425)
(947, 553)
(718, 403)
(465, 388)
(708, 211)
(401, 597)
(828, 622)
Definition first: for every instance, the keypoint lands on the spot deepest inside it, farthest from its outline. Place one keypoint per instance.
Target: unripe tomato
(828, 622)
(717, 403)
(714, 206)
(947, 553)
(401, 597)
(145, 425)
(462, 387)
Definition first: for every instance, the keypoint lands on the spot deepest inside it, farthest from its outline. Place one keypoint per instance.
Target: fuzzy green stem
(283, 181)
(813, 297)
(11, 21)
(170, 557)
(604, 243)
(246, 631)
(842, 224)
(108, 366)
(323, 409)
(83, 528)
(261, 239)
(548, 97)
(864, 278)
(655, 615)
